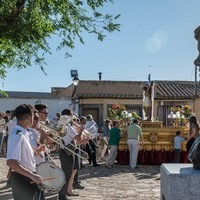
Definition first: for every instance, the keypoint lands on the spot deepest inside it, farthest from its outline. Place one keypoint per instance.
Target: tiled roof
(129, 89)
(176, 89)
(16, 94)
(105, 89)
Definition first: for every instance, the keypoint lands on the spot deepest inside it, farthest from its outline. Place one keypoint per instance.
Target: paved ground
(101, 183)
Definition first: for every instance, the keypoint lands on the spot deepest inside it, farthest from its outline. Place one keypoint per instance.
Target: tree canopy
(26, 25)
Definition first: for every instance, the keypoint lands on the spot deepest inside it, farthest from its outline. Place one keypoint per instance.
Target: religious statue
(194, 154)
(147, 102)
(197, 37)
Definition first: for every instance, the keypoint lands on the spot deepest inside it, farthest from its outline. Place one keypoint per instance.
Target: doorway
(92, 111)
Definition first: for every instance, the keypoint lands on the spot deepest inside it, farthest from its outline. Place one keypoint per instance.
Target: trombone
(87, 134)
(55, 133)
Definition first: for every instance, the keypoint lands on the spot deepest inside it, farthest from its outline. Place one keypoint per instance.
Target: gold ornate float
(156, 137)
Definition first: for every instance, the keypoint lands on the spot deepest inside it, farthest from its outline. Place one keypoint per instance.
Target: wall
(54, 105)
(106, 102)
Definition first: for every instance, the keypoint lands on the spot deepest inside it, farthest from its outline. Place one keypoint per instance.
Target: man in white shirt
(35, 139)
(43, 115)
(67, 158)
(20, 156)
(92, 127)
(134, 134)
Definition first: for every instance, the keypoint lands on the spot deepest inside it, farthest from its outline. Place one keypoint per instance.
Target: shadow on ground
(89, 172)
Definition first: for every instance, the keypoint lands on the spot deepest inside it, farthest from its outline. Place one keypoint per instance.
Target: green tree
(26, 25)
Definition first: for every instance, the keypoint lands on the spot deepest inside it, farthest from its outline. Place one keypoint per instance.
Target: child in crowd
(178, 139)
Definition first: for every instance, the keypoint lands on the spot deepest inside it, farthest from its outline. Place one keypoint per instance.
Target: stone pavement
(102, 183)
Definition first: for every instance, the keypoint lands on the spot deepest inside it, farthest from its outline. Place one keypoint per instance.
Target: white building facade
(14, 99)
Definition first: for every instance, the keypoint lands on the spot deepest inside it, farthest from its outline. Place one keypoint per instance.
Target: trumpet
(54, 132)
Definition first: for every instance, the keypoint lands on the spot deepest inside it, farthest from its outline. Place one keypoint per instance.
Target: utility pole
(195, 86)
(196, 63)
(196, 82)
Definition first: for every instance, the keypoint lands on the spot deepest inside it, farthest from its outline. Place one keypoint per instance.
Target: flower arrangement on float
(116, 111)
(180, 114)
(120, 113)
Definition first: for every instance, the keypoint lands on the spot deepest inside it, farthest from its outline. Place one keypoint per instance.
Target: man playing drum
(20, 157)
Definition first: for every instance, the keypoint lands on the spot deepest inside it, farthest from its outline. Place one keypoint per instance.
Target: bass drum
(54, 175)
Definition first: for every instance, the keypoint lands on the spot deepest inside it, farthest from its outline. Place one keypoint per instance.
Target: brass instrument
(87, 134)
(55, 133)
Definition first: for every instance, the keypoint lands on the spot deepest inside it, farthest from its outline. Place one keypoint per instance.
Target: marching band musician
(35, 139)
(78, 160)
(43, 114)
(67, 159)
(92, 127)
(43, 118)
(20, 157)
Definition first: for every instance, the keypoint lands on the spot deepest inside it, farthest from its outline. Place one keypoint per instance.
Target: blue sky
(156, 37)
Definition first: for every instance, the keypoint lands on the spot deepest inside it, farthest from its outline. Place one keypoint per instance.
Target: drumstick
(46, 179)
(46, 151)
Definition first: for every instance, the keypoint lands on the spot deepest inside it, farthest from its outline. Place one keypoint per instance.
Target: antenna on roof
(100, 73)
(149, 77)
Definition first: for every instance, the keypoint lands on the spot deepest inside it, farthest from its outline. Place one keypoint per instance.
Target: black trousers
(22, 189)
(76, 162)
(67, 165)
(76, 166)
(177, 155)
(91, 150)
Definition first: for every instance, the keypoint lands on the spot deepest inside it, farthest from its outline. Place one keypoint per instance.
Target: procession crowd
(31, 137)
(28, 137)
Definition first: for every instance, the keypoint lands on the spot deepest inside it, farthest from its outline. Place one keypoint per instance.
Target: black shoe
(96, 165)
(78, 186)
(90, 162)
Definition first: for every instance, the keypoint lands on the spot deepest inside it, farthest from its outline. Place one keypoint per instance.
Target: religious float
(158, 139)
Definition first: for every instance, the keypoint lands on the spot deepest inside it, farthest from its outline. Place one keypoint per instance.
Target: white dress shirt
(20, 149)
(92, 127)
